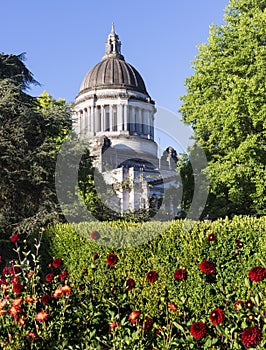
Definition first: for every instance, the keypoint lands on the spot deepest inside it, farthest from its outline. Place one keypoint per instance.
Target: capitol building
(115, 112)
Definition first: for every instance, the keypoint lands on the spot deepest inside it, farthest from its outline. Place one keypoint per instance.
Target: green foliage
(29, 141)
(225, 103)
(13, 67)
(169, 247)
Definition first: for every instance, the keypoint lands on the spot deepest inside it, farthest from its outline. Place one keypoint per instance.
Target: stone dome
(113, 72)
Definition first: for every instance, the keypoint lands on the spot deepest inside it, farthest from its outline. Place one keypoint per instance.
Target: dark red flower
(111, 259)
(5, 271)
(57, 263)
(49, 277)
(239, 243)
(17, 288)
(95, 256)
(217, 316)
(4, 281)
(46, 299)
(152, 276)
(211, 237)
(15, 279)
(95, 235)
(239, 304)
(207, 267)
(147, 324)
(249, 304)
(250, 317)
(257, 274)
(13, 270)
(198, 330)
(180, 274)
(63, 275)
(251, 337)
(130, 284)
(159, 331)
(14, 238)
(172, 306)
(133, 316)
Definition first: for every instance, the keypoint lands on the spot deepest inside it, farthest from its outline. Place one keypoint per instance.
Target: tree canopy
(225, 102)
(29, 140)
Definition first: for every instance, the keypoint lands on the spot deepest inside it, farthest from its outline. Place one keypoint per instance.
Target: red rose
(111, 259)
(95, 235)
(147, 324)
(63, 275)
(57, 263)
(152, 276)
(198, 330)
(180, 274)
(133, 316)
(251, 337)
(207, 267)
(46, 299)
(211, 237)
(217, 316)
(257, 274)
(49, 277)
(172, 306)
(14, 238)
(130, 284)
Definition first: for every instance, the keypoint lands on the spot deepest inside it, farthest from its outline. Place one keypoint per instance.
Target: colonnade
(120, 117)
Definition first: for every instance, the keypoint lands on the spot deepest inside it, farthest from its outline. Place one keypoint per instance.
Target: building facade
(114, 111)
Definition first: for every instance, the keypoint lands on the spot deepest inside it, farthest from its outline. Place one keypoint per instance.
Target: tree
(29, 142)
(226, 104)
(12, 67)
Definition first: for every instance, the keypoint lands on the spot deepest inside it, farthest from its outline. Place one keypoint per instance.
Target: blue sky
(64, 39)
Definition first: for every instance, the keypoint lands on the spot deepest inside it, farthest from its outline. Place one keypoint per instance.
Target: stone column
(119, 117)
(92, 120)
(133, 119)
(145, 123)
(111, 117)
(102, 119)
(97, 119)
(152, 125)
(125, 114)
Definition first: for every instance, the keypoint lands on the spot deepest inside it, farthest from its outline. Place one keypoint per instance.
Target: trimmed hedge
(166, 247)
